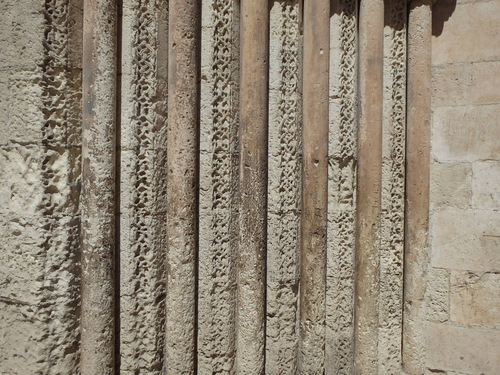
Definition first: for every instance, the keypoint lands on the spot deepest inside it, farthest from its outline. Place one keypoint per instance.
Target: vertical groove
(98, 187)
(314, 186)
(284, 184)
(371, 37)
(142, 187)
(417, 183)
(251, 273)
(393, 183)
(182, 185)
(339, 350)
(218, 186)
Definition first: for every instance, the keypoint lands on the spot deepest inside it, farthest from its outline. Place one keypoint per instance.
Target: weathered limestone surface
(342, 164)
(182, 191)
(369, 185)
(142, 151)
(313, 239)
(98, 187)
(40, 122)
(209, 276)
(252, 193)
(454, 348)
(417, 185)
(284, 184)
(218, 187)
(462, 292)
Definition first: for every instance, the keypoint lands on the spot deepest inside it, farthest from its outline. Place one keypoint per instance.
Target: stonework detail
(342, 191)
(284, 184)
(142, 146)
(218, 187)
(242, 187)
(393, 193)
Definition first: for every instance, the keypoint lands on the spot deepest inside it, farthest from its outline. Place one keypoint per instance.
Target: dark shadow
(117, 265)
(441, 12)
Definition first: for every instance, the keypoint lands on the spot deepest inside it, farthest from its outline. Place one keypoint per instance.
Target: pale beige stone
(486, 185)
(25, 107)
(462, 349)
(417, 184)
(475, 299)
(451, 78)
(468, 32)
(466, 133)
(485, 83)
(437, 294)
(466, 240)
(450, 185)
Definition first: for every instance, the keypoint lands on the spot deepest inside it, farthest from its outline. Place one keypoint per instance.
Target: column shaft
(371, 39)
(251, 273)
(314, 186)
(417, 183)
(98, 187)
(182, 185)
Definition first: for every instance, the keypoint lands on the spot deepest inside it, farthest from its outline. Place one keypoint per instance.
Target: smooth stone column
(251, 272)
(314, 187)
(417, 184)
(182, 185)
(98, 187)
(371, 55)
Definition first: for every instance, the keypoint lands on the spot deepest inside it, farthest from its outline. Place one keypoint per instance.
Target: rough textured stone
(213, 301)
(438, 295)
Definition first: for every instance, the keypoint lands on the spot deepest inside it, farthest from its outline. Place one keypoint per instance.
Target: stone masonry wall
(349, 320)
(463, 331)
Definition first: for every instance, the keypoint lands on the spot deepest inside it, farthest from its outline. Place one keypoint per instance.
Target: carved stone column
(98, 187)
(371, 55)
(251, 273)
(417, 183)
(182, 180)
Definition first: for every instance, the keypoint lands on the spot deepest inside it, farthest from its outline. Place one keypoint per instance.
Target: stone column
(182, 181)
(98, 187)
(417, 183)
(371, 54)
(251, 273)
(314, 186)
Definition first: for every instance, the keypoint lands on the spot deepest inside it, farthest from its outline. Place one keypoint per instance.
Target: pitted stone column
(417, 183)
(314, 186)
(98, 187)
(251, 274)
(371, 55)
(182, 180)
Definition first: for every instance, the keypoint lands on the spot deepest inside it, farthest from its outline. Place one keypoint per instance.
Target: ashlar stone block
(466, 133)
(475, 299)
(466, 240)
(486, 185)
(461, 349)
(450, 185)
